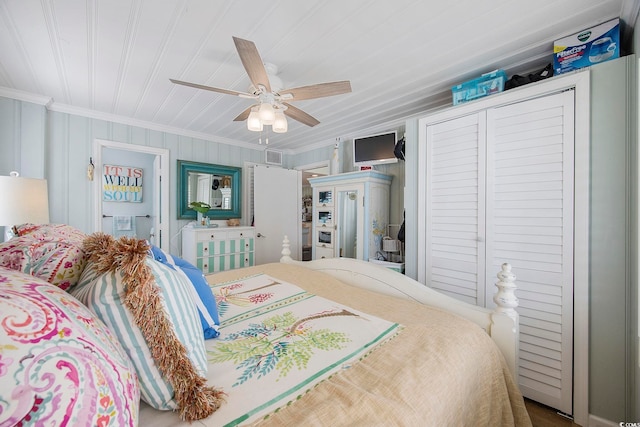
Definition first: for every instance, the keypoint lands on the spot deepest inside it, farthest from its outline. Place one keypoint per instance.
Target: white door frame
(316, 165)
(161, 198)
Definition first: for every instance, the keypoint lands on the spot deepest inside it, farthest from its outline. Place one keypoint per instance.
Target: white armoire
(350, 214)
(497, 183)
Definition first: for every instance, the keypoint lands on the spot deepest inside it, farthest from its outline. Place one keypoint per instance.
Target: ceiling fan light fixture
(254, 123)
(267, 113)
(266, 89)
(280, 123)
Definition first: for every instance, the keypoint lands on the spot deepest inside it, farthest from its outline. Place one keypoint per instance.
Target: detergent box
(588, 47)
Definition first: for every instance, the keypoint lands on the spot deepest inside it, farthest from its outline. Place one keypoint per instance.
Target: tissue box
(591, 46)
(487, 84)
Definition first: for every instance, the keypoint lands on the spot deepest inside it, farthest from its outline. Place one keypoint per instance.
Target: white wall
(57, 146)
(611, 214)
(23, 121)
(635, 295)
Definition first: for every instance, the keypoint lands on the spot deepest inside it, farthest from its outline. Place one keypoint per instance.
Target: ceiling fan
(273, 103)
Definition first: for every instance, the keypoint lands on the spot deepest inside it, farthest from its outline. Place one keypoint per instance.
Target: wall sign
(121, 184)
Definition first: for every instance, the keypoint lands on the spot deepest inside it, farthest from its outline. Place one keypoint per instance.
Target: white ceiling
(114, 58)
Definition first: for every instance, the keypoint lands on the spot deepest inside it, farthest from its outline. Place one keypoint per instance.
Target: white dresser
(218, 249)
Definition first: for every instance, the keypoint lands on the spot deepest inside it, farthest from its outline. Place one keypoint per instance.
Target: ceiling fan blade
(252, 63)
(244, 115)
(318, 90)
(299, 115)
(213, 89)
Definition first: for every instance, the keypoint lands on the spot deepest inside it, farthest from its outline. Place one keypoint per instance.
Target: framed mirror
(218, 186)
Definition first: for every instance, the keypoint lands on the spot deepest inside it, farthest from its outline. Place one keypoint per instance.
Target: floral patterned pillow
(59, 363)
(52, 252)
(59, 232)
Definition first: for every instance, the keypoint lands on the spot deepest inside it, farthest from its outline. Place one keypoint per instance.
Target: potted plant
(202, 208)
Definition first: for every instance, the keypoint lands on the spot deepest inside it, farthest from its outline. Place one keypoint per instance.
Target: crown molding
(93, 114)
(51, 105)
(20, 95)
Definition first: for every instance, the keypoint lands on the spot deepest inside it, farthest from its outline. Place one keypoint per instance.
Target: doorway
(277, 214)
(309, 171)
(154, 216)
(295, 181)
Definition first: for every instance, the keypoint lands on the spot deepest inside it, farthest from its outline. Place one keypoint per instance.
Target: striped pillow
(104, 295)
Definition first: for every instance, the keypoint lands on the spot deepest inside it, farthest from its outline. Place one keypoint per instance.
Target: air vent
(273, 157)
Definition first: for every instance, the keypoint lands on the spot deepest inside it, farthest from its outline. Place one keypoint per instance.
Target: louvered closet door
(530, 225)
(454, 226)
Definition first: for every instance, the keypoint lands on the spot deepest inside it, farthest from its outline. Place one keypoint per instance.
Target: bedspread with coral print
(277, 341)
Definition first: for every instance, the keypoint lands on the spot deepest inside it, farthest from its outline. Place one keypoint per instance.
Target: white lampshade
(253, 121)
(267, 113)
(280, 123)
(24, 200)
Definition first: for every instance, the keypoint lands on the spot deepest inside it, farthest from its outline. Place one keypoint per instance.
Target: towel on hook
(124, 225)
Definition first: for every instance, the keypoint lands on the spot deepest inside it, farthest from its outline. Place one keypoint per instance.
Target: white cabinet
(350, 214)
(498, 187)
(218, 249)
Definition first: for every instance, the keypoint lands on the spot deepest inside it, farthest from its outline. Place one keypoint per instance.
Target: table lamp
(22, 200)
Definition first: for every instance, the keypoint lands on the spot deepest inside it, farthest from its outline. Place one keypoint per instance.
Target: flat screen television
(375, 149)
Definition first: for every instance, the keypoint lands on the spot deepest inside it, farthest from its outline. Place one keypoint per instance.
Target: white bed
(440, 368)
(331, 342)
(500, 323)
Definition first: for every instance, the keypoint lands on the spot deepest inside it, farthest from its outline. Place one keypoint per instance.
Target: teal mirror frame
(185, 167)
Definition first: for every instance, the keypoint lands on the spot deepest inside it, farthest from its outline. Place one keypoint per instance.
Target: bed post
(504, 319)
(286, 252)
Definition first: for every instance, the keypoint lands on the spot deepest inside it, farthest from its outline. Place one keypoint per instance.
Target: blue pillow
(206, 301)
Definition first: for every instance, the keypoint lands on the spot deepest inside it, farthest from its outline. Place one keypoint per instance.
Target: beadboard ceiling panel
(115, 58)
